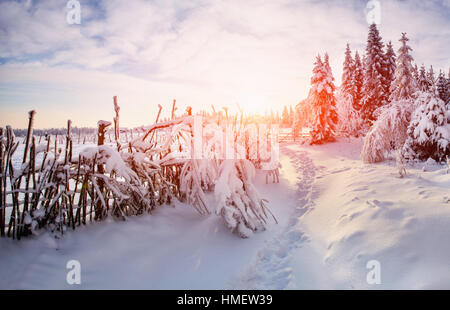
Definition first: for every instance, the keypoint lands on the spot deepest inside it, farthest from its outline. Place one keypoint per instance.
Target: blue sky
(255, 53)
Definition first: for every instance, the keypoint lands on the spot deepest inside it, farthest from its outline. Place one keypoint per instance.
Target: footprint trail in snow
(271, 269)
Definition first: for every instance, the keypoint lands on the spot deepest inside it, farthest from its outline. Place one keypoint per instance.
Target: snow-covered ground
(365, 212)
(335, 214)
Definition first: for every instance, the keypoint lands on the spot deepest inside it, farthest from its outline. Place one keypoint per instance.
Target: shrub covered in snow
(388, 132)
(238, 201)
(429, 130)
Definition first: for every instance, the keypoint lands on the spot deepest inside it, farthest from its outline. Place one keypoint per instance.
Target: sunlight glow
(252, 102)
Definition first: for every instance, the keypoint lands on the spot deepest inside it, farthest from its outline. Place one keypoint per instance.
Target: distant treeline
(56, 131)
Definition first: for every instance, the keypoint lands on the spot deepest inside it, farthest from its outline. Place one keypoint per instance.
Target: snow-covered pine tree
(416, 73)
(429, 130)
(373, 86)
(431, 78)
(390, 67)
(441, 87)
(358, 79)
(404, 84)
(448, 98)
(326, 63)
(423, 82)
(448, 79)
(349, 119)
(390, 130)
(322, 101)
(347, 85)
(330, 80)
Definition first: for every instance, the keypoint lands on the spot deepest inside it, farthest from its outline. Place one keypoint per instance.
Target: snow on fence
(57, 190)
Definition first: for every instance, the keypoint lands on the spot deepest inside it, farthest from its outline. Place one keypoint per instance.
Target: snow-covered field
(335, 214)
(365, 212)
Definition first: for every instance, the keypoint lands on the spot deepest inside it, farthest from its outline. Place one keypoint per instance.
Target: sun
(252, 102)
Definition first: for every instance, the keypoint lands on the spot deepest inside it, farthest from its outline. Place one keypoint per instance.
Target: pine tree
(349, 119)
(448, 77)
(322, 101)
(448, 93)
(326, 63)
(347, 85)
(330, 80)
(404, 85)
(373, 86)
(428, 132)
(358, 79)
(390, 129)
(416, 73)
(441, 87)
(431, 78)
(390, 67)
(423, 83)
(448, 82)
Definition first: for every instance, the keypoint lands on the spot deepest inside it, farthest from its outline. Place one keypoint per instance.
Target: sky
(253, 53)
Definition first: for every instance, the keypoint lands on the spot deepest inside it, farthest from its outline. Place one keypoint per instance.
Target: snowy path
(272, 268)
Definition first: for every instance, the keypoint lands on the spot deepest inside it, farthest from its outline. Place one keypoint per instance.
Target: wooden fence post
(102, 125)
(116, 124)
(29, 134)
(2, 206)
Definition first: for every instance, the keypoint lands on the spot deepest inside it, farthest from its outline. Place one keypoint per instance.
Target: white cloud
(200, 52)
